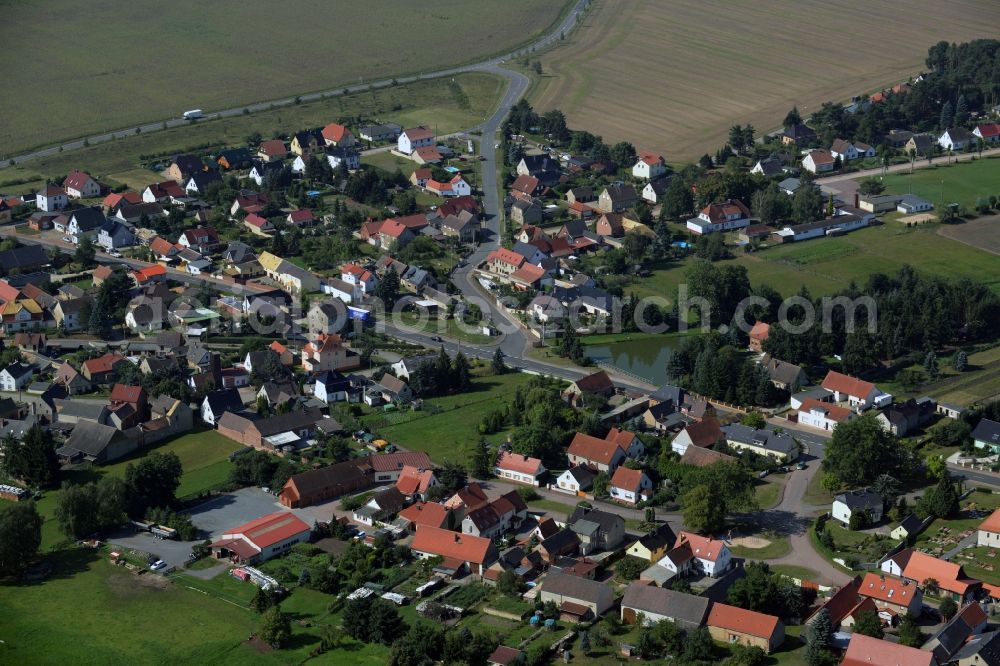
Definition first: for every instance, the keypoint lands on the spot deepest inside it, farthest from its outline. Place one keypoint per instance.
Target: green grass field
(117, 64)
(980, 380)
(962, 182)
(431, 102)
(447, 435)
(826, 265)
(768, 493)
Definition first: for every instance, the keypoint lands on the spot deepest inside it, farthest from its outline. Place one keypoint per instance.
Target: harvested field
(120, 63)
(982, 233)
(674, 75)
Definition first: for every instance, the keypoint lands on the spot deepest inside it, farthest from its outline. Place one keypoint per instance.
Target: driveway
(174, 553)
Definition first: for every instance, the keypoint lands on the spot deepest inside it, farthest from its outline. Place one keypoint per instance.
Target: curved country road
(490, 65)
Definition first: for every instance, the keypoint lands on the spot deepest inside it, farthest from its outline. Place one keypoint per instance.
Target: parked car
(157, 565)
(801, 465)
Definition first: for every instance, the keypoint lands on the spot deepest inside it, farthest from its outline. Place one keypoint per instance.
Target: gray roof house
(96, 443)
(845, 504)
(597, 529)
(577, 597)
(114, 234)
(656, 603)
(778, 445)
(784, 375)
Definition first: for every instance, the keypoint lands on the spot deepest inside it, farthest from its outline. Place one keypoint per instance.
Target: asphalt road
(490, 65)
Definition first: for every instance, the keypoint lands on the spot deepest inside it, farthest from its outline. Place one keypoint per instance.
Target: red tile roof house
(503, 261)
(630, 486)
(892, 594)
(519, 468)
(150, 274)
(414, 483)
(201, 239)
(459, 552)
(101, 370)
(729, 624)
(726, 216)
(428, 514)
(607, 454)
(845, 605)
(867, 651)
(80, 185)
(598, 382)
(128, 406)
(505, 656)
(705, 433)
(988, 132)
(415, 137)
(526, 187)
(263, 538)
(758, 334)
(917, 567)
(711, 557)
(336, 134)
(857, 393)
(822, 415)
(497, 517)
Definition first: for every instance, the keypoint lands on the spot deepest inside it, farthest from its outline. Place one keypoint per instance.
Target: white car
(115, 253)
(157, 565)
(67, 239)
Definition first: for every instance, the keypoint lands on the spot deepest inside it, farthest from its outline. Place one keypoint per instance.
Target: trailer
(163, 532)
(193, 114)
(140, 525)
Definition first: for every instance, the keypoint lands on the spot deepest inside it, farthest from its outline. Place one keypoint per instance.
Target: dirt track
(982, 233)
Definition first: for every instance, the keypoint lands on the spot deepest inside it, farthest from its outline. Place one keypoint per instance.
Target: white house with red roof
(649, 166)
(80, 185)
(711, 556)
(51, 198)
(819, 161)
(413, 138)
(823, 415)
(200, 239)
(725, 216)
(600, 454)
(456, 187)
(988, 132)
(414, 482)
(519, 468)
(896, 596)
(630, 486)
(858, 393)
(362, 277)
(336, 134)
(732, 624)
(263, 538)
(989, 530)
(503, 261)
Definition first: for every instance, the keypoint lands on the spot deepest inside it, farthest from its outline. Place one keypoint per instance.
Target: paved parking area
(225, 512)
(174, 553)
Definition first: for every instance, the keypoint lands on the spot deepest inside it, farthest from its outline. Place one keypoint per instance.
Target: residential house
(954, 139)
(848, 151)
(389, 389)
(263, 538)
(68, 377)
(272, 149)
(986, 435)
(414, 483)
(336, 134)
(233, 158)
(819, 161)
(917, 567)
(770, 167)
(218, 402)
(578, 598)
(525, 212)
(113, 235)
(526, 188)
(823, 415)
(654, 190)
(381, 508)
(711, 557)
(406, 366)
(495, 518)
(67, 313)
(582, 194)
(456, 187)
(604, 455)
(128, 406)
(328, 352)
(101, 370)
(273, 433)
(909, 527)
(865, 501)
(844, 606)
(891, 595)
(163, 192)
(702, 457)
(80, 185)
(652, 546)
(96, 443)
(630, 486)
(577, 479)
(649, 166)
(798, 135)
(655, 604)
(458, 552)
(337, 156)
(598, 383)
(542, 167)
(950, 639)
(730, 624)
(617, 198)
(302, 217)
(183, 167)
(519, 468)
(785, 376)
(51, 198)
(464, 226)
(987, 132)
(597, 530)
(381, 132)
(867, 651)
(725, 216)
(306, 143)
(16, 376)
(705, 434)
(23, 259)
(858, 393)
(778, 446)
(204, 240)
(902, 418)
(262, 170)
(610, 225)
(415, 137)
(24, 314)
(85, 222)
(503, 261)
(757, 335)
(981, 650)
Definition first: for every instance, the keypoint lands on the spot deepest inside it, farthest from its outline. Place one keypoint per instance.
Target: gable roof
(105, 363)
(662, 601)
(867, 651)
(702, 457)
(742, 621)
(595, 382)
(335, 132)
(841, 603)
(987, 431)
(992, 522)
(832, 412)
(841, 383)
(517, 462)
(591, 448)
(607, 521)
(702, 547)
(627, 479)
(77, 180)
(887, 589)
(719, 212)
(575, 587)
(23, 256)
(950, 576)
(271, 529)
(447, 544)
(705, 433)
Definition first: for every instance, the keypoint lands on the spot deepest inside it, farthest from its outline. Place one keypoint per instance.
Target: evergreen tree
(931, 364)
(961, 111)
(481, 461)
(461, 373)
(947, 116)
(497, 365)
(961, 361)
(275, 627)
(819, 639)
(792, 117)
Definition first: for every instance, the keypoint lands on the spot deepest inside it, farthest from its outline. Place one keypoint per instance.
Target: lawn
(553, 505)
(980, 563)
(448, 434)
(826, 265)
(961, 182)
(980, 380)
(204, 458)
(768, 493)
(795, 571)
(760, 49)
(448, 328)
(779, 546)
(157, 67)
(124, 161)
